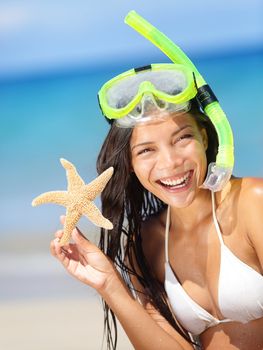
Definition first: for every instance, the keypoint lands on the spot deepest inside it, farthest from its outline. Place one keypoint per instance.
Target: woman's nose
(169, 158)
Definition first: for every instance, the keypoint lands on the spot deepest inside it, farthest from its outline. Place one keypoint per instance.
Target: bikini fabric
(240, 290)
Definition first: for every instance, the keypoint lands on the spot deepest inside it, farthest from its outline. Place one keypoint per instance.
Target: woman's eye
(144, 151)
(186, 136)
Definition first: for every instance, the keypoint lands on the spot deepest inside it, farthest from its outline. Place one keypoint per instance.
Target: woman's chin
(180, 203)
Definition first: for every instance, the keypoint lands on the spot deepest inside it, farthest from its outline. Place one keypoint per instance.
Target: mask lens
(169, 81)
(151, 110)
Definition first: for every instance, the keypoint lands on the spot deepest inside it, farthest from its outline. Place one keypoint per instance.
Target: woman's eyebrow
(172, 135)
(181, 128)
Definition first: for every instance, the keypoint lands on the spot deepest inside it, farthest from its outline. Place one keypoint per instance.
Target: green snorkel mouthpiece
(219, 172)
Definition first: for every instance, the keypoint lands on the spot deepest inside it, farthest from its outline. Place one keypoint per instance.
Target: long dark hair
(127, 204)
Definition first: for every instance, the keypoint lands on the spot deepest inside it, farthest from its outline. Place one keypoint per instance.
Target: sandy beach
(44, 308)
(53, 324)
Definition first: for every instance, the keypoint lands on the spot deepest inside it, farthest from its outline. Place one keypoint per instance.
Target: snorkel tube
(219, 172)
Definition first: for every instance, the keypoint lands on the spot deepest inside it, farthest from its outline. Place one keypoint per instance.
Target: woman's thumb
(81, 240)
(78, 236)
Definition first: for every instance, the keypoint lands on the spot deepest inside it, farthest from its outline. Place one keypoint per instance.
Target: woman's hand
(85, 261)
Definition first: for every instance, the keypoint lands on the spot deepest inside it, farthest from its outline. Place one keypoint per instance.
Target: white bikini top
(240, 290)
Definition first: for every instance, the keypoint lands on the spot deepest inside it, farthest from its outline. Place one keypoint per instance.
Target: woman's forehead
(171, 124)
(178, 119)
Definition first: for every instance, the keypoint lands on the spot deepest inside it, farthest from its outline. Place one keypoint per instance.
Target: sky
(38, 36)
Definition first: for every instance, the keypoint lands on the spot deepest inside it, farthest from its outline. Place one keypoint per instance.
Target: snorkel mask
(139, 95)
(168, 88)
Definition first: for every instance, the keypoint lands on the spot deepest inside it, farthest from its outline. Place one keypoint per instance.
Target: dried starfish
(78, 199)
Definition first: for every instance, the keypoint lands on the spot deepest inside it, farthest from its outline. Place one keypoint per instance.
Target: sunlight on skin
(155, 158)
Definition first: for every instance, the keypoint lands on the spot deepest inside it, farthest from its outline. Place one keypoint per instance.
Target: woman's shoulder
(248, 187)
(251, 212)
(247, 193)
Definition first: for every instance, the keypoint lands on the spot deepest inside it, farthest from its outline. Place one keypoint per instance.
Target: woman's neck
(186, 219)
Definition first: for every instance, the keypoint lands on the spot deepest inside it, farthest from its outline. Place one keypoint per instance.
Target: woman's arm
(159, 319)
(86, 262)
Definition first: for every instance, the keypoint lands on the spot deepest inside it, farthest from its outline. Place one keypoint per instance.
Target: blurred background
(54, 56)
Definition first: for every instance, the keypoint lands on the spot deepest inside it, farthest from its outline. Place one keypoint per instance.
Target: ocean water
(45, 118)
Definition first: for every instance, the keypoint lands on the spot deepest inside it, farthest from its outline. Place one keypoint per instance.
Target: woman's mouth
(176, 184)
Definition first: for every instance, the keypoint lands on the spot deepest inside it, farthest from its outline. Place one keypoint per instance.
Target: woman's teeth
(180, 182)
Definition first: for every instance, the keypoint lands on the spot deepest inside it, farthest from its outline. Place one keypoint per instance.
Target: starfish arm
(94, 188)
(94, 215)
(74, 180)
(57, 197)
(72, 217)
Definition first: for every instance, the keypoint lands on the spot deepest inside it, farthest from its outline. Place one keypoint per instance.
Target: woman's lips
(178, 183)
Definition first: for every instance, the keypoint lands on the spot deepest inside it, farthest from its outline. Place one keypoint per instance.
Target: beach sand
(53, 324)
(42, 307)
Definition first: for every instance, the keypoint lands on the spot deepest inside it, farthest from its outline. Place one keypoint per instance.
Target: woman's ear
(204, 138)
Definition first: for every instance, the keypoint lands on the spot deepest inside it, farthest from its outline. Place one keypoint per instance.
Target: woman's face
(169, 158)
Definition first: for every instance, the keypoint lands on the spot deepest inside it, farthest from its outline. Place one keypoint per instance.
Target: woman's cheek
(142, 169)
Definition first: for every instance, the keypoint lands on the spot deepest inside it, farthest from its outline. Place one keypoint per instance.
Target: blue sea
(45, 118)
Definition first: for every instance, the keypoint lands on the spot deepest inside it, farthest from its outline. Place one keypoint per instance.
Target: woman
(184, 260)
(213, 243)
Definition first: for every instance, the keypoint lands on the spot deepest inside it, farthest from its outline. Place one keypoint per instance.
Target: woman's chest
(196, 260)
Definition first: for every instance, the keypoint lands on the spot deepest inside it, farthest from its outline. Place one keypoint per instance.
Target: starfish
(78, 199)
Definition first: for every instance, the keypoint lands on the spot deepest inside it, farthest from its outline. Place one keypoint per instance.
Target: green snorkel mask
(128, 97)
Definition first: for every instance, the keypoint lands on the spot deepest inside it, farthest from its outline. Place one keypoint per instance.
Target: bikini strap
(218, 231)
(167, 229)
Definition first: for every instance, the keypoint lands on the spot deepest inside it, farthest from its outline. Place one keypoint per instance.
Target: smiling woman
(197, 272)
(182, 267)
(154, 161)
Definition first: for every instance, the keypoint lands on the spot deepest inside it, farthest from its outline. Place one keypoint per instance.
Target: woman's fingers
(52, 247)
(72, 253)
(82, 259)
(61, 253)
(82, 242)
(59, 234)
(80, 233)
